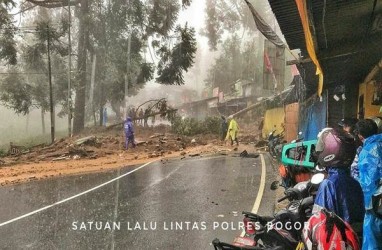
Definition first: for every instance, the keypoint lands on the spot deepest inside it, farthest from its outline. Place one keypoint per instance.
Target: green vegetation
(192, 126)
(3, 152)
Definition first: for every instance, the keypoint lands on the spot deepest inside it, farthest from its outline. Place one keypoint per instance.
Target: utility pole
(69, 101)
(92, 83)
(50, 88)
(127, 76)
(127, 71)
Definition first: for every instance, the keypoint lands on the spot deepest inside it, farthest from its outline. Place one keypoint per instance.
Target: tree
(31, 90)
(35, 54)
(234, 63)
(107, 30)
(149, 27)
(8, 50)
(80, 83)
(230, 29)
(230, 17)
(179, 59)
(15, 92)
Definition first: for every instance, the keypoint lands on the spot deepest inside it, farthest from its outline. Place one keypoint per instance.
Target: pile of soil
(102, 149)
(96, 144)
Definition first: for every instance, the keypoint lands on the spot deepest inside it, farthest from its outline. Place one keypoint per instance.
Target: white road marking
(261, 190)
(72, 197)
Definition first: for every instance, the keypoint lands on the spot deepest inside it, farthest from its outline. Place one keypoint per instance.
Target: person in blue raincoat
(339, 192)
(129, 132)
(104, 117)
(370, 176)
(223, 128)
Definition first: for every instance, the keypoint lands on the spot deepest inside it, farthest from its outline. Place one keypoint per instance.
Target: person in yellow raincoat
(233, 129)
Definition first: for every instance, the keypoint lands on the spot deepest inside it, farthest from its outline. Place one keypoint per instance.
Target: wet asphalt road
(177, 204)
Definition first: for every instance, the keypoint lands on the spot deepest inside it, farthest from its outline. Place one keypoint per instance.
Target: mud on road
(102, 149)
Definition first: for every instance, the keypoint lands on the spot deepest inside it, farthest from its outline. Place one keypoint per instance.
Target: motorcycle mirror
(275, 185)
(317, 178)
(319, 168)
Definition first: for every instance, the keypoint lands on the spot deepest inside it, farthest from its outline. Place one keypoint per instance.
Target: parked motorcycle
(299, 138)
(218, 245)
(283, 231)
(275, 144)
(298, 160)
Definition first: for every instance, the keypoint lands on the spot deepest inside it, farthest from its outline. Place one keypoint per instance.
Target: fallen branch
(261, 102)
(146, 116)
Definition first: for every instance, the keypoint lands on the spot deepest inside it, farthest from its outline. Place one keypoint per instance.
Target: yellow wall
(272, 118)
(368, 90)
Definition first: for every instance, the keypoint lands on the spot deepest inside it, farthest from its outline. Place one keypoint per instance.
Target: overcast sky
(194, 14)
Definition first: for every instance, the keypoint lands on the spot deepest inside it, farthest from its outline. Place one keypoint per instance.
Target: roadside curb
(274, 176)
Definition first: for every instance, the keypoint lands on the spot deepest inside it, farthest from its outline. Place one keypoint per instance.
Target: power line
(19, 31)
(27, 73)
(51, 25)
(34, 73)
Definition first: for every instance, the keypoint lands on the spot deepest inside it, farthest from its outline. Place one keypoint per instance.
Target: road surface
(174, 204)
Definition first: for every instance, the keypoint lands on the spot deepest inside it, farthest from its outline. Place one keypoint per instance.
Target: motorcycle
(298, 159)
(218, 245)
(299, 138)
(275, 144)
(283, 230)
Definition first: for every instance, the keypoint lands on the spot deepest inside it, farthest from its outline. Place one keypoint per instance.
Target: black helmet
(337, 148)
(348, 122)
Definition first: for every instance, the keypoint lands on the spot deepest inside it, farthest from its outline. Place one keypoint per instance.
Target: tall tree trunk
(100, 115)
(103, 103)
(79, 110)
(43, 121)
(27, 123)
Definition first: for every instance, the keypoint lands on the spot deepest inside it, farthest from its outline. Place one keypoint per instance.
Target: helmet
(348, 122)
(336, 148)
(320, 144)
(325, 230)
(378, 121)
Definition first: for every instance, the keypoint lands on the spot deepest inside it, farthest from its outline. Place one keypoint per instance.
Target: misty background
(27, 129)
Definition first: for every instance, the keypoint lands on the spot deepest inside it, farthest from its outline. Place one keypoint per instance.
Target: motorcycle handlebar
(283, 198)
(291, 193)
(254, 217)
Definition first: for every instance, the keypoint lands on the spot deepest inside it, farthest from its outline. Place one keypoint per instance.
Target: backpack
(327, 231)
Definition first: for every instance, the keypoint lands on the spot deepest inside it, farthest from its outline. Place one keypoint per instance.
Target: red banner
(267, 62)
(294, 70)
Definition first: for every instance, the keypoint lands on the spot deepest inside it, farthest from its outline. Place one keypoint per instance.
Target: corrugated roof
(347, 35)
